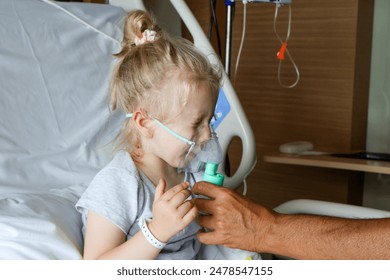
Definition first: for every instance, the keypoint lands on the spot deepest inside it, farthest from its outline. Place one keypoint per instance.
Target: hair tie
(147, 36)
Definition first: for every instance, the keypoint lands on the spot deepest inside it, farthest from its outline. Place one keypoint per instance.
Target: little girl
(138, 206)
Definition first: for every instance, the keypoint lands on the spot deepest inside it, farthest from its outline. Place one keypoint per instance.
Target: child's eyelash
(197, 122)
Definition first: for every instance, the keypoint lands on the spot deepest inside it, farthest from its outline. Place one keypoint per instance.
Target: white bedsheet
(41, 225)
(55, 124)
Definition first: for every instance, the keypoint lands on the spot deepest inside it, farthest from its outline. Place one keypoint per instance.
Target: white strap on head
(189, 142)
(147, 36)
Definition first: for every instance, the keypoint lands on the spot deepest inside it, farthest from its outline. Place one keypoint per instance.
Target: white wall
(377, 186)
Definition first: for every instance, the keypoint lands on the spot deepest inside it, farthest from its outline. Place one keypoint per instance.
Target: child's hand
(171, 211)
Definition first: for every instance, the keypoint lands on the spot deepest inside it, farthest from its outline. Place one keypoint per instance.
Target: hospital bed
(56, 127)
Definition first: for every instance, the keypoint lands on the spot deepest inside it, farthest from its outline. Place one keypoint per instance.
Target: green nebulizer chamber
(210, 174)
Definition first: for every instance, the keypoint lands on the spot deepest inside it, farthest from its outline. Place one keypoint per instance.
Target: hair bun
(140, 27)
(147, 36)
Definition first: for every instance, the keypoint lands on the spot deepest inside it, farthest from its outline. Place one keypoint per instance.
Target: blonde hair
(145, 72)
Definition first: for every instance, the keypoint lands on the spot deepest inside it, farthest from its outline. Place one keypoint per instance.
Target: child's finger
(190, 215)
(172, 192)
(160, 189)
(183, 209)
(180, 197)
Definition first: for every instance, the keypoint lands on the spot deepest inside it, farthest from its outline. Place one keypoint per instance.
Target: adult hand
(171, 211)
(232, 219)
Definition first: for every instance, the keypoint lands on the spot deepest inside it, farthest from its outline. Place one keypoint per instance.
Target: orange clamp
(282, 49)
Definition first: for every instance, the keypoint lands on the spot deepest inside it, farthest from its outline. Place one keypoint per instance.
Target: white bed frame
(326, 208)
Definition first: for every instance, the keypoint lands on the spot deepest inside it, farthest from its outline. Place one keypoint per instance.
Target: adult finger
(204, 205)
(206, 189)
(206, 221)
(209, 237)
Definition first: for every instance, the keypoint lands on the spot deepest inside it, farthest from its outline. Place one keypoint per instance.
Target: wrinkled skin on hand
(232, 219)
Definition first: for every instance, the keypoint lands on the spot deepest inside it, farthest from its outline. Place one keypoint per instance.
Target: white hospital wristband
(149, 236)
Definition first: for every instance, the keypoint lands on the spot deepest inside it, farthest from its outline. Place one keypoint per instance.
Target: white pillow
(41, 225)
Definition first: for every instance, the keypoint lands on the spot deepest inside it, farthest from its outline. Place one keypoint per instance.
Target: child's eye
(196, 123)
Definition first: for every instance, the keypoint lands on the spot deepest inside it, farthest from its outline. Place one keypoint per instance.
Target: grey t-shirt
(123, 195)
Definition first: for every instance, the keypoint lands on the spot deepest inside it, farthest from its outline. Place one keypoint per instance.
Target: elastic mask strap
(189, 142)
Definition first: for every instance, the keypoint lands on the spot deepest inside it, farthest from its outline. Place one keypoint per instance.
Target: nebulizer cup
(210, 174)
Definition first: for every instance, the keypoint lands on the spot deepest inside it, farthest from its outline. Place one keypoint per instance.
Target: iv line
(285, 49)
(242, 42)
(281, 52)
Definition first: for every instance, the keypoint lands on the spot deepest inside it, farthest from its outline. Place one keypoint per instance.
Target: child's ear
(144, 123)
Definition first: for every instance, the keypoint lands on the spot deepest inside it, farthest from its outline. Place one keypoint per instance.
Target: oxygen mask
(200, 154)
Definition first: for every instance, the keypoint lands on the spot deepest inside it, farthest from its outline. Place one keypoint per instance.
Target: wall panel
(331, 44)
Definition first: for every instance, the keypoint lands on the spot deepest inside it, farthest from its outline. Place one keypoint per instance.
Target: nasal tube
(210, 174)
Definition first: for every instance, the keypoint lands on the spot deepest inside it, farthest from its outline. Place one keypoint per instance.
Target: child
(137, 207)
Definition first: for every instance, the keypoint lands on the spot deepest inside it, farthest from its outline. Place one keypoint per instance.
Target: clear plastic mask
(202, 153)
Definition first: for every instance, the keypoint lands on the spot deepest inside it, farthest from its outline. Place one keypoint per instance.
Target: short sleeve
(114, 194)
